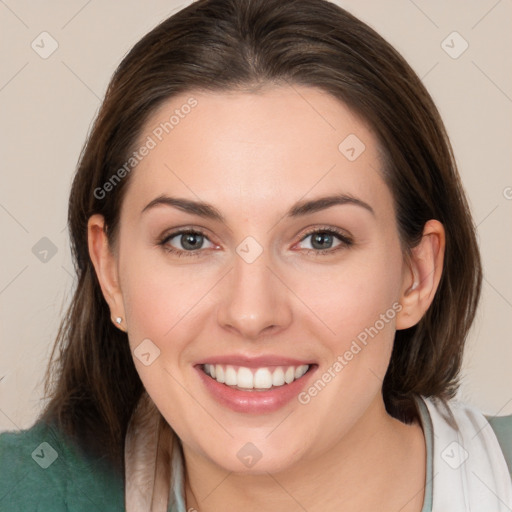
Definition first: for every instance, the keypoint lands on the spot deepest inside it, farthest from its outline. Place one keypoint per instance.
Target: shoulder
(41, 469)
(502, 426)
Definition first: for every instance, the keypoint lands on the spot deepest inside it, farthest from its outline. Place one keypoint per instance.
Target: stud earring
(118, 320)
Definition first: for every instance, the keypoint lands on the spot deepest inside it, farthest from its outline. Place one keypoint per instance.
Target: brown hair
(221, 45)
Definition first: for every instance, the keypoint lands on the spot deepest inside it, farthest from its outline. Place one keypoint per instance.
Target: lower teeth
(253, 389)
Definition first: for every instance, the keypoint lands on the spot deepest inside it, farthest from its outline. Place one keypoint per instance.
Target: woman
(277, 269)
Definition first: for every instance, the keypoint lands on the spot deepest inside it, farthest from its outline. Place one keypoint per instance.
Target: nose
(255, 301)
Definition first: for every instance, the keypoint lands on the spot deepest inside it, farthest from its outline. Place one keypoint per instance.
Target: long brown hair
(221, 45)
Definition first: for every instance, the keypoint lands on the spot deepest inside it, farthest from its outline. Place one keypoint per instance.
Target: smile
(256, 389)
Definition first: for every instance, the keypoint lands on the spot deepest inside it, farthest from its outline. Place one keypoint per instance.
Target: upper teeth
(255, 378)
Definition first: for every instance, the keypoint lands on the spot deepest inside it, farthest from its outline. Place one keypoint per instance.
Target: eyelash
(346, 241)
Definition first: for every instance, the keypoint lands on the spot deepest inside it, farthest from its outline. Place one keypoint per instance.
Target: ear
(105, 265)
(422, 275)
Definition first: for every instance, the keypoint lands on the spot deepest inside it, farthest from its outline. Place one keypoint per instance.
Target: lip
(254, 402)
(254, 362)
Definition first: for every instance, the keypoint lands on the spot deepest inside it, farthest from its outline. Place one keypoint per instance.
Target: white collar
(469, 471)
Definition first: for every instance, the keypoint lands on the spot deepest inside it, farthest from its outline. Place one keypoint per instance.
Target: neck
(378, 465)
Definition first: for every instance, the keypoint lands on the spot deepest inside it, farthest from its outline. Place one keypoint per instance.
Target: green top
(42, 470)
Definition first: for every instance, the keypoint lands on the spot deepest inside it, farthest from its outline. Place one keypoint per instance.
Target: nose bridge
(254, 300)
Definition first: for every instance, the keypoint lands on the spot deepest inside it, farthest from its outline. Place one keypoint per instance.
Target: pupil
(323, 240)
(190, 240)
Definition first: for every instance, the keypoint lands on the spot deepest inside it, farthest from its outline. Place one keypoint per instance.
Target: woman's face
(276, 277)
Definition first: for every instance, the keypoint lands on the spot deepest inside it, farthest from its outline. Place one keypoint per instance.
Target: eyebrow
(299, 209)
(322, 203)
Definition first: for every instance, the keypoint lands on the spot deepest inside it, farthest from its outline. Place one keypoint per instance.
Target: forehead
(249, 151)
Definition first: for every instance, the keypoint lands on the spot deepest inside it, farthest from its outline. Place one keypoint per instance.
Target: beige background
(48, 104)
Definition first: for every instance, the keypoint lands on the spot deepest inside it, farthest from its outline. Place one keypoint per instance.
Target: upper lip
(255, 361)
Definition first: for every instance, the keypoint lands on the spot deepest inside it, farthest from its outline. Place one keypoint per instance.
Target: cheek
(353, 298)
(359, 304)
(159, 298)
(162, 304)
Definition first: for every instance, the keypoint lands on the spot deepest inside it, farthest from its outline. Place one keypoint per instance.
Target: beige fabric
(148, 451)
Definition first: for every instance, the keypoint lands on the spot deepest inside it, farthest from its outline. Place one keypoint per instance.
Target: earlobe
(105, 265)
(422, 277)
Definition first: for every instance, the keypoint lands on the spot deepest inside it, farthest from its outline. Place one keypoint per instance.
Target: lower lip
(256, 402)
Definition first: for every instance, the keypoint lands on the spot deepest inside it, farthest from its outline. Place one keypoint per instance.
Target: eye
(325, 241)
(185, 242)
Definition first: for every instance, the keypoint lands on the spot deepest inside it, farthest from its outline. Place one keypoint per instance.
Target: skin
(253, 156)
